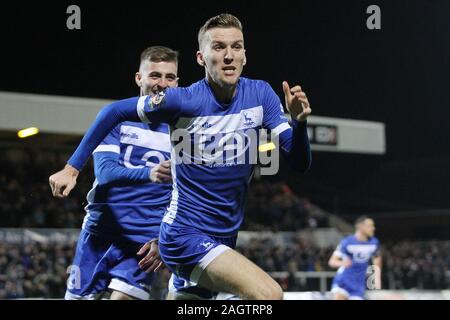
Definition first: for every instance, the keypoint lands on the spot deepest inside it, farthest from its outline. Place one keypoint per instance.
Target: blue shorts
(352, 292)
(100, 264)
(188, 251)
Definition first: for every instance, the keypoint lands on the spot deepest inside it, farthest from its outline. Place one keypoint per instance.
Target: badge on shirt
(156, 100)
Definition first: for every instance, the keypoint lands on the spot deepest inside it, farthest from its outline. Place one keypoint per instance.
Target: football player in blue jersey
(352, 258)
(128, 199)
(216, 115)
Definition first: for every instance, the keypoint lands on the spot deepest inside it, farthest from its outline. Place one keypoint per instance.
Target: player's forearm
(335, 263)
(108, 170)
(337, 260)
(379, 264)
(297, 151)
(378, 285)
(107, 119)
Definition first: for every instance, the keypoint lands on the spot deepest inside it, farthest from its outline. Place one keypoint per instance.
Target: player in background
(199, 230)
(128, 199)
(352, 258)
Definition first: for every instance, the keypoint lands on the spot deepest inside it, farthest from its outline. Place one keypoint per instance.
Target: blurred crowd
(25, 197)
(34, 270)
(420, 265)
(26, 200)
(273, 206)
(39, 270)
(406, 265)
(290, 257)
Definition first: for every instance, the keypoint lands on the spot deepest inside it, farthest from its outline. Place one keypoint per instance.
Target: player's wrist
(151, 176)
(74, 172)
(299, 117)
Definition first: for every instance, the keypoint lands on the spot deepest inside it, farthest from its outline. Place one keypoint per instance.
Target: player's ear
(200, 59)
(245, 58)
(138, 79)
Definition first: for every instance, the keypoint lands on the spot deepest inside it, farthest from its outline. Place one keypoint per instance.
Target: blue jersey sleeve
(108, 169)
(293, 139)
(111, 143)
(133, 109)
(107, 165)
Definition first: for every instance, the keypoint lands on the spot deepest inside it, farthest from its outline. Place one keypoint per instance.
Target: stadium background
(398, 76)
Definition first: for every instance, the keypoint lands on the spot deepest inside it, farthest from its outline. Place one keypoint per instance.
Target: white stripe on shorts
(206, 260)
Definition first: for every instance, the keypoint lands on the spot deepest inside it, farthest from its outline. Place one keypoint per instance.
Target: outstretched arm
(63, 181)
(133, 109)
(110, 116)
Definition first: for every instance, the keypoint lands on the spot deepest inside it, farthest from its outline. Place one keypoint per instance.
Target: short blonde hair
(159, 54)
(224, 20)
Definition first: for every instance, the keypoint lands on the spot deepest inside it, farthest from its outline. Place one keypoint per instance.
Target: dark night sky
(399, 75)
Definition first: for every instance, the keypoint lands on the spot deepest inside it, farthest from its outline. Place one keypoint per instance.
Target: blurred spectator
(26, 200)
(417, 265)
(39, 270)
(34, 270)
(407, 265)
(273, 206)
(25, 197)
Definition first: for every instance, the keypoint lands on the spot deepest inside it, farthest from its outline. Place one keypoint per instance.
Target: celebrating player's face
(223, 55)
(156, 76)
(368, 227)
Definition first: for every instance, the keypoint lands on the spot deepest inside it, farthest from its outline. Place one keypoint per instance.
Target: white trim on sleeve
(107, 148)
(140, 109)
(281, 128)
